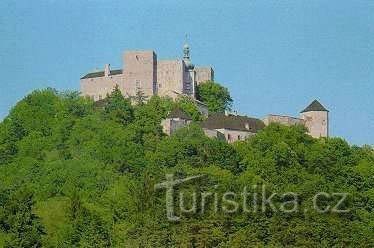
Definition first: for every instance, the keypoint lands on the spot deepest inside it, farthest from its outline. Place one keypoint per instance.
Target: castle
(142, 72)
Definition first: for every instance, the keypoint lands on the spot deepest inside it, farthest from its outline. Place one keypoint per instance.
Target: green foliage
(187, 105)
(118, 108)
(140, 98)
(18, 221)
(75, 175)
(215, 96)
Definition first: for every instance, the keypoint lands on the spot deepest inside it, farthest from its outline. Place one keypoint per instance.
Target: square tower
(316, 119)
(140, 68)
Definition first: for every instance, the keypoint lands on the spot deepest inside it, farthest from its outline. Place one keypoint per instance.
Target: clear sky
(274, 56)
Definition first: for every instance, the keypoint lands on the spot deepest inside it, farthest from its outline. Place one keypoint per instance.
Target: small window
(159, 85)
(238, 137)
(228, 136)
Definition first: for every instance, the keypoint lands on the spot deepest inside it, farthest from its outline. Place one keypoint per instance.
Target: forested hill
(74, 173)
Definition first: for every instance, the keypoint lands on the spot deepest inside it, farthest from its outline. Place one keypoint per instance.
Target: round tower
(316, 119)
(187, 58)
(189, 74)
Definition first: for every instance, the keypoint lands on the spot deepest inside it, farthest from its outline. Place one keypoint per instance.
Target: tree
(118, 108)
(72, 175)
(18, 220)
(140, 98)
(215, 96)
(189, 106)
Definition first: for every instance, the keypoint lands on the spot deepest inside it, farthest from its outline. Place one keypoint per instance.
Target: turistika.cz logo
(250, 199)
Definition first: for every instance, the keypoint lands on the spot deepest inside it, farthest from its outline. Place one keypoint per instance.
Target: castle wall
(171, 125)
(316, 122)
(212, 133)
(203, 74)
(202, 107)
(188, 81)
(98, 88)
(282, 119)
(169, 77)
(234, 135)
(140, 72)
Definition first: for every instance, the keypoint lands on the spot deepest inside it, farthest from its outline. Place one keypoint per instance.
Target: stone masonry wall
(282, 119)
(203, 74)
(316, 122)
(169, 77)
(140, 72)
(98, 88)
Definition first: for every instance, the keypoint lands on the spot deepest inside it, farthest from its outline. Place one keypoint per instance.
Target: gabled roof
(101, 74)
(178, 113)
(315, 106)
(233, 122)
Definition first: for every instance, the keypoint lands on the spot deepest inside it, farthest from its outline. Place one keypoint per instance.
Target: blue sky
(274, 56)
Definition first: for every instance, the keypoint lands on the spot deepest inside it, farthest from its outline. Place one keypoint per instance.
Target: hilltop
(74, 173)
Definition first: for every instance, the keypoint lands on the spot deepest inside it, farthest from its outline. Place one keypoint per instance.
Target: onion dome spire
(186, 56)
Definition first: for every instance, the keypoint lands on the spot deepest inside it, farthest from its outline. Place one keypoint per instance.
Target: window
(100, 97)
(137, 84)
(159, 85)
(238, 137)
(228, 136)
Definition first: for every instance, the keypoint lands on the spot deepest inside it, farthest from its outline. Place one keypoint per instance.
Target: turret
(189, 78)
(316, 119)
(187, 58)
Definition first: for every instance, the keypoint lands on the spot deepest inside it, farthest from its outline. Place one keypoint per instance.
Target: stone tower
(140, 69)
(316, 119)
(189, 75)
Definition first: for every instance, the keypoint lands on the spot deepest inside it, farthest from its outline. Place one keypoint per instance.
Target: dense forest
(74, 173)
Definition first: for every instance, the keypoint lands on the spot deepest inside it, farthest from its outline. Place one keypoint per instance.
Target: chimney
(107, 70)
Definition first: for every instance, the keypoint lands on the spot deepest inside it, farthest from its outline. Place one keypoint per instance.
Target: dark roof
(314, 106)
(101, 74)
(178, 113)
(233, 122)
